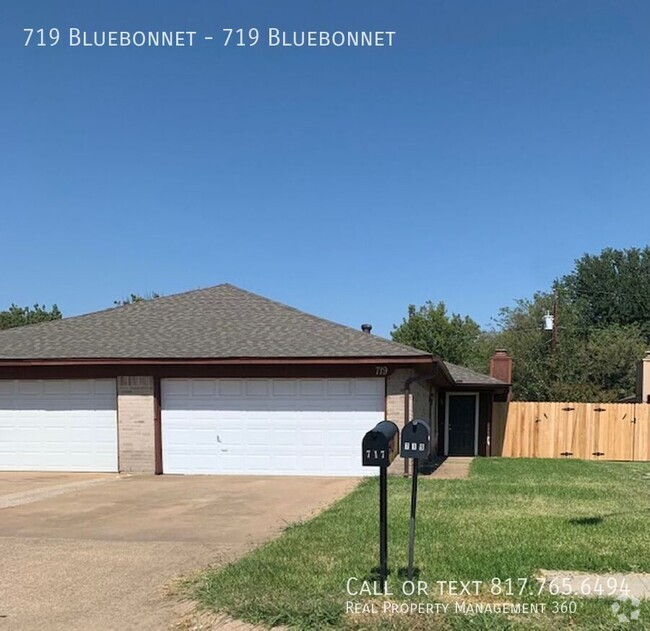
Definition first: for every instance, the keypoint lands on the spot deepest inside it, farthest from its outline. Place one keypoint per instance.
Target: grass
(509, 519)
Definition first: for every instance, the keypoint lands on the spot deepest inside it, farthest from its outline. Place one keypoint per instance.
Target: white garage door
(268, 426)
(66, 425)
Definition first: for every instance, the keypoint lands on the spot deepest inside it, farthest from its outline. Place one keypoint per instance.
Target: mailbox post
(416, 443)
(380, 447)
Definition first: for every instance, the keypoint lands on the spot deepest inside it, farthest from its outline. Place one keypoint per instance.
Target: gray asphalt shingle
(466, 376)
(219, 322)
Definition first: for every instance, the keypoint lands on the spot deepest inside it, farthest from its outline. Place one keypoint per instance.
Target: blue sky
(472, 162)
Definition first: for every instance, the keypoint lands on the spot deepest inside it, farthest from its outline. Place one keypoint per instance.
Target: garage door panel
(81, 387)
(257, 387)
(269, 426)
(71, 407)
(341, 387)
(6, 389)
(260, 438)
(56, 387)
(230, 436)
(312, 387)
(105, 387)
(203, 387)
(369, 387)
(28, 387)
(258, 426)
(178, 386)
(259, 464)
(60, 425)
(231, 387)
(312, 438)
(284, 387)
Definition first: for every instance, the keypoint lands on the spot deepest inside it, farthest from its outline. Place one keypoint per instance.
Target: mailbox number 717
(376, 454)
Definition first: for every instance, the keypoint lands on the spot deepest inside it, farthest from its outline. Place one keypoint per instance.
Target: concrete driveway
(81, 551)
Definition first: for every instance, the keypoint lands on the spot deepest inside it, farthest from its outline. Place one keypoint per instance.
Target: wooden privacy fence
(588, 431)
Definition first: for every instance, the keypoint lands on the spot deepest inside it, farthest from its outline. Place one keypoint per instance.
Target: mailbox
(380, 445)
(416, 439)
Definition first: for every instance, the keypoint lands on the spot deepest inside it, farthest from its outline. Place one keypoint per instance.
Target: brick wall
(418, 407)
(135, 422)
(395, 407)
(420, 393)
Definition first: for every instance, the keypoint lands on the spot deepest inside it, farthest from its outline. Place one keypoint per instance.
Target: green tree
(20, 316)
(600, 329)
(133, 298)
(612, 287)
(611, 355)
(542, 373)
(430, 328)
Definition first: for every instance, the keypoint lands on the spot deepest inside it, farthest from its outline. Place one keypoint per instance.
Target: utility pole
(554, 331)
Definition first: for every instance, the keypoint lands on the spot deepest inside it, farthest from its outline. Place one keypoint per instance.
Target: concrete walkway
(452, 468)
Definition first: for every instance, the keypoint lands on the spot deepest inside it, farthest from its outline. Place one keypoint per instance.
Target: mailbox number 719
(378, 454)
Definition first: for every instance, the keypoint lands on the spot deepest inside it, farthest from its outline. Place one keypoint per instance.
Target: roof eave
(134, 361)
(481, 385)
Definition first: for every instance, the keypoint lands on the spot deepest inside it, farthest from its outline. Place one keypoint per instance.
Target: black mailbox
(381, 445)
(416, 439)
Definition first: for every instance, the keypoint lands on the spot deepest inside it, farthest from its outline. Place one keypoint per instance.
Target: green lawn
(509, 519)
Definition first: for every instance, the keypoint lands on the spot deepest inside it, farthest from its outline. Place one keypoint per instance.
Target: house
(221, 381)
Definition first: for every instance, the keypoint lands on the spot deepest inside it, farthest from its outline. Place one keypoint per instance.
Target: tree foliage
(602, 330)
(588, 364)
(133, 298)
(612, 288)
(19, 316)
(431, 328)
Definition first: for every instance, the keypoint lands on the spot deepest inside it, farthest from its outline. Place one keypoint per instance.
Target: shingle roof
(465, 376)
(219, 322)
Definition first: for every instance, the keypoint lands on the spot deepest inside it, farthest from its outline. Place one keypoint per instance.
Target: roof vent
(366, 328)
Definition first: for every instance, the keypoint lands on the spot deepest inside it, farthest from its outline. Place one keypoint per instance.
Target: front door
(462, 423)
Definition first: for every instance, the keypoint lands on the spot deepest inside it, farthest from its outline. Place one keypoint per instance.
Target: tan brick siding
(420, 401)
(135, 421)
(418, 407)
(395, 407)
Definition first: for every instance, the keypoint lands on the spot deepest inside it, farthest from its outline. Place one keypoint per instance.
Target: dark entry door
(462, 424)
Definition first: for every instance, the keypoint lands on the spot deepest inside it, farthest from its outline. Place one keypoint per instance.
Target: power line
(607, 292)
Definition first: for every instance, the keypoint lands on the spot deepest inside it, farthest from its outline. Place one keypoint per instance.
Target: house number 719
(381, 371)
